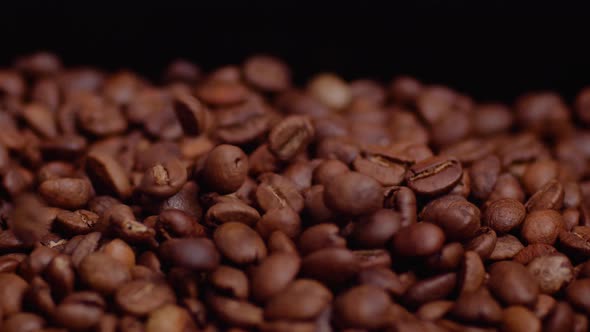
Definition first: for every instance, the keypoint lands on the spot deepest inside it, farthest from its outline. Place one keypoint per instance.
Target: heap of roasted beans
(235, 201)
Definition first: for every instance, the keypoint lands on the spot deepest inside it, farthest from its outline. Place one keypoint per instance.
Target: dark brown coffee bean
(220, 93)
(10, 262)
(332, 266)
(483, 242)
(577, 294)
(550, 196)
(273, 275)
(279, 242)
(60, 275)
(267, 73)
(491, 119)
(434, 175)
(164, 180)
(381, 164)
(433, 311)
(403, 200)
(532, 251)
(195, 254)
(421, 239)
(231, 211)
(66, 193)
(235, 312)
(430, 289)
(176, 223)
(507, 246)
(315, 206)
(477, 306)
(542, 226)
(186, 200)
(40, 118)
(229, 281)
(362, 307)
(458, 218)
(123, 223)
(242, 123)
(353, 194)
(319, 237)
(283, 219)
(191, 114)
(290, 137)
(375, 230)
(520, 319)
(303, 299)
(561, 318)
(507, 186)
(327, 169)
(99, 117)
(330, 90)
(239, 243)
(23, 322)
(371, 258)
(103, 273)
(447, 259)
(121, 251)
(383, 278)
(16, 180)
(141, 297)
(552, 272)
(225, 169)
(504, 215)
(107, 173)
(300, 173)
(472, 273)
(79, 311)
(513, 284)
(12, 290)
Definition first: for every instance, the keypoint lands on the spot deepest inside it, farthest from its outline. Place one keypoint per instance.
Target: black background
(493, 50)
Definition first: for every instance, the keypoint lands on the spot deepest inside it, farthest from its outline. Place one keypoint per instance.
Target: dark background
(493, 50)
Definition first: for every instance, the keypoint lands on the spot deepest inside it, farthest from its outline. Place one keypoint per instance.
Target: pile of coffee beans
(234, 200)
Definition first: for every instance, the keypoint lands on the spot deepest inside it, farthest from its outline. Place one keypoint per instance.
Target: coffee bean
(458, 218)
(303, 299)
(300, 173)
(375, 230)
(319, 237)
(519, 318)
(243, 123)
(176, 223)
(186, 200)
(239, 243)
(507, 246)
(552, 272)
(433, 311)
(283, 219)
(332, 266)
(267, 73)
(81, 246)
(12, 290)
(504, 215)
(472, 272)
(421, 239)
(123, 223)
(290, 137)
(371, 258)
(477, 306)
(195, 254)
(315, 205)
(60, 274)
(225, 169)
(550, 196)
(561, 318)
(280, 242)
(220, 93)
(108, 173)
(40, 118)
(353, 194)
(430, 289)
(273, 275)
(532, 251)
(403, 200)
(168, 318)
(513, 284)
(23, 322)
(434, 175)
(79, 311)
(141, 297)
(10, 262)
(103, 273)
(235, 312)
(542, 226)
(120, 251)
(507, 186)
(483, 243)
(577, 294)
(164, 180)
(276, 191)
(191, 114)
(77, 222)
(327, 169)
(330, 90)
(362, 307)
(231, 282)
(382, 164)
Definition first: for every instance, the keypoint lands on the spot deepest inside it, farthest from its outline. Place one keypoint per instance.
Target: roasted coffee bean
(169, 318)
(66, 193)
(284, 219)
(319, 237)
(121, 251)
(327, 169)
(519, 318)
(267, 73)
(504, 215)
(164, 180)
(279, 242)
(552, 272)
(221, 213)
(123, 223)
(477, 306)
(472, 272)
(176, 223)
(276, 191)
(421, 239)
(239, 243)
(532, 251)
(382, 164)
(513, 284)
(191, 114)
(231, 282)
(290, 137)
(79, 311)
(458, 218)
(23, 322)
(561, 318)
(300, 173)
(140, 297)
(315, 206)
(375, 230)
(550, 196)
(507, 246)
(12, 290)
(434, 175)
(225, 169)
(577, 294)
(353, 194)
(402, 200)
(507, 186)
(332, 266)
(433, 311)
(303, 299)
(542, 226)
(77, 222)
(235, 312)
(38, 296)
(107, 173)
(195, 254)
(273, 275)
(103, 273)
(362, 307)
(430, 289)
(243, 123)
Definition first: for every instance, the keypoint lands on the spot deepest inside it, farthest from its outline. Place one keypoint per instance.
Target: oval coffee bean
(362, 307)
(273, 275)
(513, 284)
(197, 254)
(164, 180)
(434, 175)
(239, 243)
(421, 239)
(353, 194)
(290, 136)
(66, 193)
(332, 266)
(140, 297)
(225, 169)
(303, 299)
